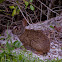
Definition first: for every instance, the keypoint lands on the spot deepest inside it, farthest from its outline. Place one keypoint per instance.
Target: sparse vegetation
(12, 12)
(8, 54)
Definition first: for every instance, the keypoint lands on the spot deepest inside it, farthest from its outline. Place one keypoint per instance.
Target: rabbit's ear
(24, 22)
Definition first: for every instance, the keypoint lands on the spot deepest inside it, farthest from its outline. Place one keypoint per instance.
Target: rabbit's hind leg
(38, 52)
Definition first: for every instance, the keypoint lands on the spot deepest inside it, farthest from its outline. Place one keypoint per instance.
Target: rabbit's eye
(17, 28)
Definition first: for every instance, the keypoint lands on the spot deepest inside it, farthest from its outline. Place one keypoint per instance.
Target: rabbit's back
(36, 39)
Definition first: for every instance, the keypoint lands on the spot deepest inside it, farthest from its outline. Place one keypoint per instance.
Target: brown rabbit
(35, 39)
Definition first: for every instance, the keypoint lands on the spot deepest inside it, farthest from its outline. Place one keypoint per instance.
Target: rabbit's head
(19, 28)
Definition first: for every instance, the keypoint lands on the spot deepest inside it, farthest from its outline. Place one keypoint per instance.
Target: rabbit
(34, 39)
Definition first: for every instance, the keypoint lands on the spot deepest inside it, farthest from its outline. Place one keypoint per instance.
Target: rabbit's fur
(35, 39)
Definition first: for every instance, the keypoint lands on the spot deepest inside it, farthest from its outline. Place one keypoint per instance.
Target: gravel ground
(55, 47)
